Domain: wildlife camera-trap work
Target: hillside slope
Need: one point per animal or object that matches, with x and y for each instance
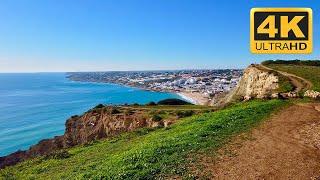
(107, 121)
(148, 153)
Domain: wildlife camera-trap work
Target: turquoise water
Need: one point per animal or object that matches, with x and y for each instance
(36, 106)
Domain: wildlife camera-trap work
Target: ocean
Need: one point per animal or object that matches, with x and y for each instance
(35, 106)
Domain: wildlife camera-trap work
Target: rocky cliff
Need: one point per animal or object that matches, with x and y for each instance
(100, 122)
(256, 82)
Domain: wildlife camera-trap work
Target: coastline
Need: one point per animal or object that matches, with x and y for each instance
(187, 98)
(194, 97)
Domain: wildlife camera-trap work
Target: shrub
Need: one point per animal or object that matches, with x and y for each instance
(186, 113)
(173, 102)
(115, 111)
(99, 106)
(156, 117)
(151, 103)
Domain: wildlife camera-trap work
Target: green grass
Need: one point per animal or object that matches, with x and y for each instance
(284, 84)
(149, 153)
(310, 73)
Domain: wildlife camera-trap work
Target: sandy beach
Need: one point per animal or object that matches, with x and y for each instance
(194, 97)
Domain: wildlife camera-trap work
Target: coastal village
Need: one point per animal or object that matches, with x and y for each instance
(198, 86)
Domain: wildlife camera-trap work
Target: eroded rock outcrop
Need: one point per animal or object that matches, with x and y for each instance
(257, 83)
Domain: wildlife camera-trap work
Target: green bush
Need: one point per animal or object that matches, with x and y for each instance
(114, 111)
(173, 102)
(99, 106)
(186, 113)
(151, 103)
(74, 116)
(156, 117)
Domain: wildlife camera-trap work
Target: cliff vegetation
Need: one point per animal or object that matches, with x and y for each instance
(309, 70)
(147, 153)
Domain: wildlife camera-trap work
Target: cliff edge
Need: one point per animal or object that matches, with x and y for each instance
(256, 82)
(104, 122)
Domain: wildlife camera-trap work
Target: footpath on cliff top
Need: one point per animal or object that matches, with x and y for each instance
(298, 82)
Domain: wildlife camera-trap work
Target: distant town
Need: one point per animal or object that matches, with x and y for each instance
(206, 83)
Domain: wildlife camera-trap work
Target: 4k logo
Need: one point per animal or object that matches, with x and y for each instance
(281, 30)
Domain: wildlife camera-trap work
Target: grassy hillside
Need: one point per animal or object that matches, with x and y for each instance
(308, 72)
(148, 153)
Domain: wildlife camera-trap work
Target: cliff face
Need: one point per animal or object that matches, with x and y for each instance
(96, 124)
(257, 83)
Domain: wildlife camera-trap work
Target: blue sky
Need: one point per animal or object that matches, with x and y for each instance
(102, 35)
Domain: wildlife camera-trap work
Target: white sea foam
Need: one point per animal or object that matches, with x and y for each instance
(189, 99)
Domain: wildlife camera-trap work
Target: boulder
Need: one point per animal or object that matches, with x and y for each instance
(312, 94)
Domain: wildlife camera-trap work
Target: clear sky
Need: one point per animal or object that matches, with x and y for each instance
(103, 35)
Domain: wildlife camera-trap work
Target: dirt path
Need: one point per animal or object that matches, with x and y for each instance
(298, 82)
(285, 147)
